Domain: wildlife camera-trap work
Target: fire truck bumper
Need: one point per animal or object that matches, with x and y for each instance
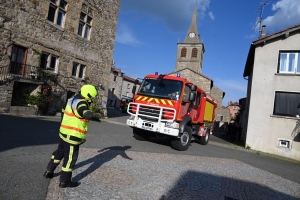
(153, 126)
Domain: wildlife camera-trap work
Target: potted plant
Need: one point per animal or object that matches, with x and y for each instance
(39, 100)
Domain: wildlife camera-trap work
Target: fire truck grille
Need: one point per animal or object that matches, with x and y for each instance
(152, 113)
(149, 111)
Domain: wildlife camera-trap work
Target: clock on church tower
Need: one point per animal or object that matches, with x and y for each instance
(192, 34)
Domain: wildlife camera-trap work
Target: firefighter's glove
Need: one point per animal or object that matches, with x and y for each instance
(96, 117)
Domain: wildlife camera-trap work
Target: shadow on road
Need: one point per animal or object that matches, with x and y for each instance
(16, 131)
(197, 185)
(105, 155)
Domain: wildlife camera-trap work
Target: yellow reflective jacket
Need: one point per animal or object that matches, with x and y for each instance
(73, 127)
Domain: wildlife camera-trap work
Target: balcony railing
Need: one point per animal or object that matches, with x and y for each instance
(20, 71)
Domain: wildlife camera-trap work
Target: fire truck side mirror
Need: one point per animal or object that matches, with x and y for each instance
(193, 88)
(133, 89)
(136, 81)
(192, 96)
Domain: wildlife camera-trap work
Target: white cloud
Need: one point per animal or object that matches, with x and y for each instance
(175, 13)
(287, 13)
(126, 36)
(211, 15)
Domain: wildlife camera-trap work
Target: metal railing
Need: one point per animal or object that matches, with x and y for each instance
(20, 71)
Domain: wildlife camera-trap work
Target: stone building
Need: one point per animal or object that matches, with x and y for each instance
(234, 108)
(189, 60)
(55, 46)
(115, 87)
(127, 87)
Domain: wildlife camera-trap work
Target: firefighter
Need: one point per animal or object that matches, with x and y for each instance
(72, 134)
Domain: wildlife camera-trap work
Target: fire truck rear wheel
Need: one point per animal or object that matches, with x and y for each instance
(183, 143)
(141, 135)
(204, 139)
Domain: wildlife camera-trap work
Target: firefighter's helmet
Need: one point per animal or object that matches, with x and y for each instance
(88, 91)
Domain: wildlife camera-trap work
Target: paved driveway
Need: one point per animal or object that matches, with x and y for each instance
(113, 165)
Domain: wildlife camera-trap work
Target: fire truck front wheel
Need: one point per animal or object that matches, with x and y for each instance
(141, 135)
(183, 142)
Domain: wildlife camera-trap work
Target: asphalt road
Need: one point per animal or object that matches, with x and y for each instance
(27, 143)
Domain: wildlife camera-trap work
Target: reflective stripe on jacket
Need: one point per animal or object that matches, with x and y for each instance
(73, 127)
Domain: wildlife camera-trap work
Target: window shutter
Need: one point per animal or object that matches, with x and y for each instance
(194, 53)
(183, 52)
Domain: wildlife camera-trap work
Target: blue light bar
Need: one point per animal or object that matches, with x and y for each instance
(156, 73)
(178, 75)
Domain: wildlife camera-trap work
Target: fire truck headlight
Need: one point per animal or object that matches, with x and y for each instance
(172, 125)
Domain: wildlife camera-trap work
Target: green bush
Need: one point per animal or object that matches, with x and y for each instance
(95, 107)
(39, 99)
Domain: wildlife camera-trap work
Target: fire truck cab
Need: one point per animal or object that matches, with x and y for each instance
(174, 107)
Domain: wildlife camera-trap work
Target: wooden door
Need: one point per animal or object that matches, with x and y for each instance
(18, 60)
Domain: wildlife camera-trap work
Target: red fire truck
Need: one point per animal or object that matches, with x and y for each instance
(174, 107)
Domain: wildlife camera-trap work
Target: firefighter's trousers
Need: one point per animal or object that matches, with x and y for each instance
(69, 154)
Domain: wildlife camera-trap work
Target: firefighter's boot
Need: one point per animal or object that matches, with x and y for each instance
(48, 174)
(68, 184)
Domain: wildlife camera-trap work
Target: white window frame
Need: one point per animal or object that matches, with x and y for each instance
(78, 69)
(56, 4)
(49, 62)
(88, 12)
(289, 66)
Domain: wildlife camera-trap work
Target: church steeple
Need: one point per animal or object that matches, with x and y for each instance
(192, 35)
(190, 52)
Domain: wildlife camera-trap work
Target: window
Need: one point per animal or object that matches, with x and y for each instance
(186, 94)
(113, 91)
(18, 60)
(289, 62)
(49, 61)
(183, 52)
(85, 22)
(169, 88)
(221, 118)
(127, 94)
(128, 86)
(194, 52)
(78, 70)
(115, 78)
(57, 12)
(286, 103)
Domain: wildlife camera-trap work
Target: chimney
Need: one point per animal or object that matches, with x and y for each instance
(263, 31)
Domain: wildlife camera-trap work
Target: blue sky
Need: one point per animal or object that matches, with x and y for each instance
(148, 32)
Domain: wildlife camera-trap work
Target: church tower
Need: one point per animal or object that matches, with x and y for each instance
(190, 52)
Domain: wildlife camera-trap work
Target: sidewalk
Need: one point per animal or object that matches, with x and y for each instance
(120, 174)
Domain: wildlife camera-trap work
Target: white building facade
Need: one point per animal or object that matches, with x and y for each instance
(273, 95)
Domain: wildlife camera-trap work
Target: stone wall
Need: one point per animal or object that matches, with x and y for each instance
(6, 91)
(25, 23)
(193, 63)
(116, 81)
(198, 79)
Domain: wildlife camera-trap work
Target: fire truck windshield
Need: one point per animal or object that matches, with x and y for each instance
(164, 88)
